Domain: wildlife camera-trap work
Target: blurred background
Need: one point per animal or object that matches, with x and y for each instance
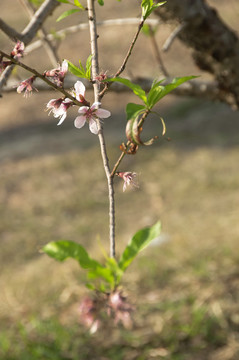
(185, 287)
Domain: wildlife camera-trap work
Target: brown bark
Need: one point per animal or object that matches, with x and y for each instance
(215, 47)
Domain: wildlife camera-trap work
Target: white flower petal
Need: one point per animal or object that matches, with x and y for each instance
(80, 121)
(102, 113)
(95, 105)
(83, 109)
(62, 118)
(50, 103)
(79, 88)
(93, 126)
(64, 66)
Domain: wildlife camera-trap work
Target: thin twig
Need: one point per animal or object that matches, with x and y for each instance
(95, 72)
(50, 49)
(122, 67)
(157, 52)
(173, 36)
(122, 155)
(42, 77)
(30, 31)
(79, 27)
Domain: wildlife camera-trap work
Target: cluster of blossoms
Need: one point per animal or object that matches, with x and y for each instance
(87, 113)
(58, 107)
(114, 305)
(17, 52)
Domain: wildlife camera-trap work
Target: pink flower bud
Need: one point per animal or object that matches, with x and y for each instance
(18, 49)
(129, 179)
(26, 86)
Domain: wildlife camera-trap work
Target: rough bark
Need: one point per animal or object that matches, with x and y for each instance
(215, 47)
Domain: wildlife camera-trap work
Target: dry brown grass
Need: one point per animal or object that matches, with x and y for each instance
(52, 186)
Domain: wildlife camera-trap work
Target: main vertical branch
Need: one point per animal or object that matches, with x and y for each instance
(95, 72)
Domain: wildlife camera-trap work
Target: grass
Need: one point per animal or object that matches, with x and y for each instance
(185, 291)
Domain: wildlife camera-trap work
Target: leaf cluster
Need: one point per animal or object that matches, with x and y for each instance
(109, 274)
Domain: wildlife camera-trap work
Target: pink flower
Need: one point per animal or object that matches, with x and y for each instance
(129, 179)
(26, 86)
(18, 49)
(4, 64)
(120, 309)
(79, 93)
(58, 74)
(90, 114)
(59, 108)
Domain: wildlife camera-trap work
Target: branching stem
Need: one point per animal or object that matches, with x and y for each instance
(42, 77)
(122, 67)
(95, 72)
(122, 155)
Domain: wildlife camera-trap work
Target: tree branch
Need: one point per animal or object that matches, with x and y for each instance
(215, 46)
(30, 31)
(50, 49)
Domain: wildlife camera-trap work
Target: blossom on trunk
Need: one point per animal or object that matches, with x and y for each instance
(59, 108)
(129, 179)
(26, 86)
(18, 49)
(58, 74)
(90, 115)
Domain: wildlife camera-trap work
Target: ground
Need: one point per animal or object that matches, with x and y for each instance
(184, 288)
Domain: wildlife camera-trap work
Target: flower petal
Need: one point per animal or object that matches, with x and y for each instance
(79, 88)
(102, 113)
(62, 118)
(83, 109)
(95, 105)
(64, 66)
(93, 126)
(80, 121)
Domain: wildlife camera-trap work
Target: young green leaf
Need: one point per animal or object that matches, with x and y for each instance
(101, 2)
(138, 242)
(64, 1)
(136, 88)
(157, 91)
(65, 249)
(67, 13)
(88, 67)
(78, 4)
(148, 6)
(132, 110)
(78, 71)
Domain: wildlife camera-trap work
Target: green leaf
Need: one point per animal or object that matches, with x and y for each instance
(65, 249)
(132, 110)
(115, 269)
(157, 91)
(101, 2)
(148, 6)
(78, 4)
(138, 242)
(67, 13)
(80, 72)
(136, 88)
(64, 1)
(88, 67)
